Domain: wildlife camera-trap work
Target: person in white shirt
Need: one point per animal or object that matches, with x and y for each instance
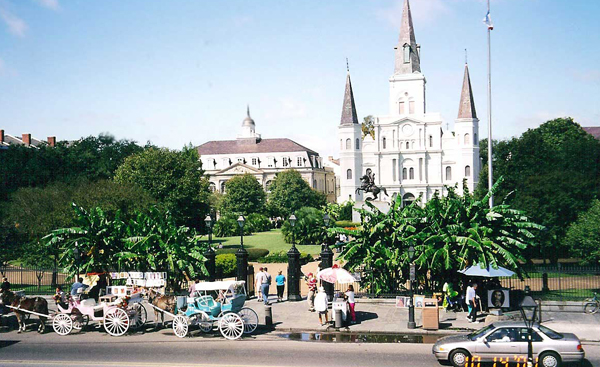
(321, 305)
(351, 303)
(258, 283)
(471, 298)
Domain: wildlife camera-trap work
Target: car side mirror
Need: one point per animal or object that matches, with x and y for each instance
(483, 340)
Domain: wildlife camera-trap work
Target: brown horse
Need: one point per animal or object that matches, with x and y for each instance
(163, 302)
(36, 304)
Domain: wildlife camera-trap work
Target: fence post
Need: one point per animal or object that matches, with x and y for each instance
(545, 287)
(559, 278)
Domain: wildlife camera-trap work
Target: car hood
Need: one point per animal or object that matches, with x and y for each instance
(452, 339)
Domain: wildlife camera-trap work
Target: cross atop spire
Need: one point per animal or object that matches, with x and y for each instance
(407, 58)
(349, 115)
(466, 110)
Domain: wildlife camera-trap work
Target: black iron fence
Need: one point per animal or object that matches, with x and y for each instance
(35, 280)
(558, 282)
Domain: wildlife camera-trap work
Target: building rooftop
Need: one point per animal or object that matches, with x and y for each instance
(242, 147)
(593, 131)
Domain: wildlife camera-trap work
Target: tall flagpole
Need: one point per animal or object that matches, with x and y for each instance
(490, 168)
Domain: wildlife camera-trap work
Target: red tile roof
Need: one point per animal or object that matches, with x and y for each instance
(262, 146)
(593, 131)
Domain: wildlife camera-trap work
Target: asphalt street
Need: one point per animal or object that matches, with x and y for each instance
(162, 348)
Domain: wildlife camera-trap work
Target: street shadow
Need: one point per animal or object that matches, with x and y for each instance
(7, 343)
(445, 325)
(365, 316)
(586, 363)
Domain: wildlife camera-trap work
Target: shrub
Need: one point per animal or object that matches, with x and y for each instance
(281, 257)
(227, 226)
(346, 224)
(309, 228)
(226, 265)
(253, 253)
(258, 223)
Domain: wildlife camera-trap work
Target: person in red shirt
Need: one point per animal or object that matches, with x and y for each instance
(311, 282)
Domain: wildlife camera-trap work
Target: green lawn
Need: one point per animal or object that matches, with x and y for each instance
(272, 241)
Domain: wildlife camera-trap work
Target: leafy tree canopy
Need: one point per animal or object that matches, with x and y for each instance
(551, 172)
(174, 178)
(447, 233)
(243, 195)
(368, 127)
(289, 192)
(583, 236)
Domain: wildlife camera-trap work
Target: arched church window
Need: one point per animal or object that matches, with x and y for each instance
(268, 186)
(406, 54)
(467, 171)
(357, 144)
(448, 173)
(404, 174)
(223, 186)
(411, 173)
(315, 184)
(407, 145)
(475, 142)
(349, 174)
(212, 187)
(411, 107)
(467, 139)
(348, 144)
(408, 199)
(430, 141)
(341, 144)
(401, 108)
(383, 142)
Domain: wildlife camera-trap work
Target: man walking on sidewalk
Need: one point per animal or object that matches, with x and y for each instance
(264, 288)
(471, 298)
(311, 282)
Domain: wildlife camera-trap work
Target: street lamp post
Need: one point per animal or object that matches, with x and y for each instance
(411, 306)
(528, 311)
(242, 254)
(210, 254)
(293, 267)
(327, 260)
(77, 257)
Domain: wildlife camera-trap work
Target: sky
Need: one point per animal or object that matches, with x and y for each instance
(182, 71)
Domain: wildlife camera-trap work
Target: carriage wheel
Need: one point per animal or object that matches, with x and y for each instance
(80, 322)
(138, 316)
(250, 319)
(180, 326)
(203, 321)
(231, 326)
(116, 322)
(62, 324)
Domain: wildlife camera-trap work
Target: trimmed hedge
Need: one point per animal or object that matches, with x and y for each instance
(253, 253)
(226, 265)
(346, 224)
(227, 226)
(281, 257)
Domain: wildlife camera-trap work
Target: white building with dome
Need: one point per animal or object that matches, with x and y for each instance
(412, 154)
(264, 159)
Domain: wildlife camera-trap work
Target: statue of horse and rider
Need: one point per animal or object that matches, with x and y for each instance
(368, 185)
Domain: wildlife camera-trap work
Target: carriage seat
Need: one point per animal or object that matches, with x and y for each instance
(209, 305)
(90, 302)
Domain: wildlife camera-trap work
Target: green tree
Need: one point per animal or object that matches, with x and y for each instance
(368, 127)
(243, 195)
(583, 236)
(289, 192)
(174, 178)
(551, 172)
(308, 230)
(448, 234)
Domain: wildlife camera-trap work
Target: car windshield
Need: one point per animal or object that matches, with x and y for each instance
(481, 332)
(550, 333)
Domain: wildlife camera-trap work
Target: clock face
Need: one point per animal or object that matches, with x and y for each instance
(407, 130)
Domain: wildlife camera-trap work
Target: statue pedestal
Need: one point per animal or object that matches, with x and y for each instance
(384, 206)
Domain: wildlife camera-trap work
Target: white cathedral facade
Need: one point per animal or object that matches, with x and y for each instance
(411, 154)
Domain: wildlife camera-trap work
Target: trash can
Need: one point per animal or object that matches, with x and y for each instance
(339, 305)
(430, 314)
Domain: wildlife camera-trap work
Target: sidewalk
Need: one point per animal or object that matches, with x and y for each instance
(374, 317)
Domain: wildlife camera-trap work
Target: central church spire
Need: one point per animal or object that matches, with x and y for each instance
(407, 58)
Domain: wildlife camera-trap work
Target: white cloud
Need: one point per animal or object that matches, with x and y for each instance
(16, 25)
(423, 11)
(50, 4)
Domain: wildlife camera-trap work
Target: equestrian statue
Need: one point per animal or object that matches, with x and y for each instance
(368, 185)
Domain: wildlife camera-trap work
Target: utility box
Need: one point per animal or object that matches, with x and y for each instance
(430, 314)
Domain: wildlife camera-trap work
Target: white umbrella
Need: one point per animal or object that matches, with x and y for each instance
(335, 274)
(487, 272)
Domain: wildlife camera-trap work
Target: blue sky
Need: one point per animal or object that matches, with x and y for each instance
(175, 72)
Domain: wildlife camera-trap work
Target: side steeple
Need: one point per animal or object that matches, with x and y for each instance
(466, 110)
(349, 115)
(407, 52)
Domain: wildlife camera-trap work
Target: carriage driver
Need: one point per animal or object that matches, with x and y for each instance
(77, 285)
(5, 285)
(61, 298)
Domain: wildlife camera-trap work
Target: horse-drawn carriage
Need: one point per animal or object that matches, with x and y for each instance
(217, 305)
(117, 316)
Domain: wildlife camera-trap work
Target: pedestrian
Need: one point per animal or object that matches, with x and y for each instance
(258, 280)
(280, 281)
(78, 285)
(321, 306)
(265, 286)
(5, 285)
(192, 288)
(351, 303)
(311, 282)
(471, 297)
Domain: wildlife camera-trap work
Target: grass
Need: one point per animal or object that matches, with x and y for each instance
(272, 241)
(566, 295)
